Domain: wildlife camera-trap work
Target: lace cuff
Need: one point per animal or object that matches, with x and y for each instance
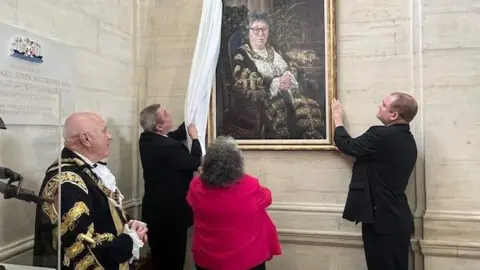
(293, 80)
(274, 87)
(137, 243)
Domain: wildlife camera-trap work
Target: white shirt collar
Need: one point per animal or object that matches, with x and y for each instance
(107, 178)
(84, 158)
(102, 172)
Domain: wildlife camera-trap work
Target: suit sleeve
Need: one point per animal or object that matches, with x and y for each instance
(81, 243)
(365, 144)
(180, 134)
(180, 159)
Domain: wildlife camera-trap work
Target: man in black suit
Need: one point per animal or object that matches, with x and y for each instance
(385, 158)
(168, 168)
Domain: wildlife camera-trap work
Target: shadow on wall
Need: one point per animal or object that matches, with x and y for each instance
(28, 150)
(10, 157)
(12, 210)
(120, 161)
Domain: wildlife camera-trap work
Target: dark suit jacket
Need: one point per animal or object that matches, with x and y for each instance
(168, 168)
(385, 158)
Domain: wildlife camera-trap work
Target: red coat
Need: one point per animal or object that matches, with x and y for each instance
(232, 230)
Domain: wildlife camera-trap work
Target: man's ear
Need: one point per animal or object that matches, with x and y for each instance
(394, 116)
(159, 127)
(85, 139)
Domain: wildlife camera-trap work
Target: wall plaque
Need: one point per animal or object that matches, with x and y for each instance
(36, 78)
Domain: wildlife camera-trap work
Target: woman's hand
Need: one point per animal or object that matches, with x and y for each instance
(198, 172)
(285, 82)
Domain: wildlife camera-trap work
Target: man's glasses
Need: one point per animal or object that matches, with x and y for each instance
(257, 31)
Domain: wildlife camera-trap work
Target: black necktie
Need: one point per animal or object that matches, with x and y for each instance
(96, 164)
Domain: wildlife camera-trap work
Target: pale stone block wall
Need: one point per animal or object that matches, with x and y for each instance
(451, 90)
(130, 54)
(425, 48)
(101, 34)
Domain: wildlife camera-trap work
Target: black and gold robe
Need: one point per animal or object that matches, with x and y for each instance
(91, 225)
(288, 114)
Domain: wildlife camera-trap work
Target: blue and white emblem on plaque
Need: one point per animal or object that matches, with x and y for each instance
(26, 49)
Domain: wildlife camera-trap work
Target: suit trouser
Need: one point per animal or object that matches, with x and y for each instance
(385, 251)
(168, 245)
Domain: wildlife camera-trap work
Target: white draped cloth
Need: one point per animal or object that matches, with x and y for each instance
(202, 72)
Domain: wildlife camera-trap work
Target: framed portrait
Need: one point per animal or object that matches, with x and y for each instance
(276, 75)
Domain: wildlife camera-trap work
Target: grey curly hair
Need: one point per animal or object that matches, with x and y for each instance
(258, 16)
(254, 17)
(223, 163)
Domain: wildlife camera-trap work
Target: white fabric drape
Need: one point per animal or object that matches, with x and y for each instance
(203, 68)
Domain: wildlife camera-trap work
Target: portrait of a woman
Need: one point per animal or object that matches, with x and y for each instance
(276, 74)
(262, 74)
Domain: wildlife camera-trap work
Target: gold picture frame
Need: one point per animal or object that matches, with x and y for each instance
(330, 94)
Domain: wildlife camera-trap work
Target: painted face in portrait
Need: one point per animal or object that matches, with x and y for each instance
(258, 34)
(384, 113)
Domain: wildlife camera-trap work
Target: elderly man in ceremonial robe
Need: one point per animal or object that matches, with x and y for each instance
(95, 232)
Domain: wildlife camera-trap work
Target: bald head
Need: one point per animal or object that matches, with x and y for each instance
(78, 123)
(86, 133)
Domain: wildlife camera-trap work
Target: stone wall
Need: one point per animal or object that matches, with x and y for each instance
(450, 58)
(130, 54)
(426, 48)
(101, 34)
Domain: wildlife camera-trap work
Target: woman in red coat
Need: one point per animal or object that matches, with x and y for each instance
(232, 230)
